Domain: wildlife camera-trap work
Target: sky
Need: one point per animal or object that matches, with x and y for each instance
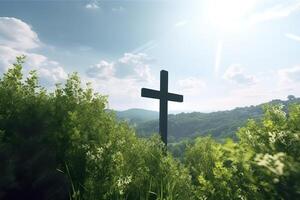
(220, 54)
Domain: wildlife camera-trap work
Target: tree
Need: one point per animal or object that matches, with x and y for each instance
(65, 143)
(291, 97)
(275, 141)
(221, 171)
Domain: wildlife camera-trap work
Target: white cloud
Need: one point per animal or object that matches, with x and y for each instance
(49, 71)
(131, 58)
(17, 34)
(18, 42)
(289, 75)
(7, 57)
(103, 70)
(293, 37)
(130, 66)
(289, 80)
(135, 66)
(94, 4)
(276, 12)
(235, 73)
(192, 85)
(123, 93)
(91, 6)
(51, 74)
(122, 79)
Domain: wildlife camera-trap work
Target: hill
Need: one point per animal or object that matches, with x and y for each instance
(219, 125)
(137, 116)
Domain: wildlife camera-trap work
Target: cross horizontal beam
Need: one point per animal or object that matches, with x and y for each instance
(175, 97)
(150, 93)
(157, 95)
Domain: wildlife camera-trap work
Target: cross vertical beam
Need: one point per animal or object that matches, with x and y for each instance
(164, 96)
(163, 106)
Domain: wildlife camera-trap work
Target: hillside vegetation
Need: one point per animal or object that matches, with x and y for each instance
(137, 116)
(65, 145)
(219, 125)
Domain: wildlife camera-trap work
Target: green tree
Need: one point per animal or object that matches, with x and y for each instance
(61, 143)
(276, 141)
(220, 171)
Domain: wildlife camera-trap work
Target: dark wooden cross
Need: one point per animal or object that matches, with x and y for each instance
(164, 96)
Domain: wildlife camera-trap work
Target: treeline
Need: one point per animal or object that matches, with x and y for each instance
(64, 145)
(219, 125)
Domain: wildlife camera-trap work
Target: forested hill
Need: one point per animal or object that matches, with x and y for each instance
(135, 116)
(219, 124)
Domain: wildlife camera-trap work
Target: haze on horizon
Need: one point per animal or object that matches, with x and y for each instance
(220, 54)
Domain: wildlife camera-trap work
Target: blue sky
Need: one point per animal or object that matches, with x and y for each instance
(220, 54)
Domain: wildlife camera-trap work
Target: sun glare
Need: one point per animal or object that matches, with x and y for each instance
(229, 15)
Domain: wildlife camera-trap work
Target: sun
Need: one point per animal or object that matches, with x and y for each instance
(229, 15)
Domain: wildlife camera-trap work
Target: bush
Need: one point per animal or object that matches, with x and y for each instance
(65, 143)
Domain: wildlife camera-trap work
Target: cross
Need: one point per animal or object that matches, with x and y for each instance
(164, 96)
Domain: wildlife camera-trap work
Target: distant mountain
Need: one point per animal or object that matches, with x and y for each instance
(219, 124)
(136, 116)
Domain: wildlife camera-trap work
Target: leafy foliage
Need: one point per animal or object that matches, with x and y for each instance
(61, 143)
(65, 145)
